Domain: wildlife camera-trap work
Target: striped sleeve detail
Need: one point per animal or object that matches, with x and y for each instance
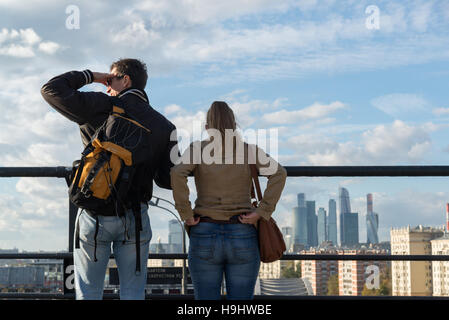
(88, 76)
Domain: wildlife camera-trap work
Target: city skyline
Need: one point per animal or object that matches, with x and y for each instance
(349, 235)
(392, 207)
(300, 198)
(312, 227)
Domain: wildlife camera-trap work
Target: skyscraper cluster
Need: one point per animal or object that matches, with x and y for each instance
(312, 227)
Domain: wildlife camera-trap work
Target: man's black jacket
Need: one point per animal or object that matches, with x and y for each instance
(91, 109)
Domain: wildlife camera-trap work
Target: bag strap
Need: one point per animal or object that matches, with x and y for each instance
(119, 110)
(255, 182)
(255, 176)
(116, 101)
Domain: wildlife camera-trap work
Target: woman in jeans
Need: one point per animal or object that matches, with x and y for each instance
(223, 235)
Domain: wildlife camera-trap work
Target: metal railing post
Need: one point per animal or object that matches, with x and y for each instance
(184, 250)
(73, 211)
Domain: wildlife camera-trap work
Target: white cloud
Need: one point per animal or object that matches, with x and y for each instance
(136, 34)
(184, 12)
(397, 143)
(314, 111)
(248, 113)
(214, 38)
(17, 51)
(36, 217)
(189, 126)
(21, 44)
(421, 15)
(432, 127)
(29, 36)
(401, 104)
(172, 109)
(182, 34)
(410, 207)
(310, 143)
(49, 47)
(440, 111)
(186, 122)
(393, 18)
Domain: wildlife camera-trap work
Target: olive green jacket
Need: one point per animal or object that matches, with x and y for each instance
(224, 190)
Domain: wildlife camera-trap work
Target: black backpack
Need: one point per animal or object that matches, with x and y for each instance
(102, 179)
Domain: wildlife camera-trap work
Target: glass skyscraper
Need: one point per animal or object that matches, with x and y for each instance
(332, 222)
(372, 221)
(322, 226)
(300, 221)
(349, 222)
(301, 200)
(312, 222)
(351, 228)
(287, 232)
(174, 236)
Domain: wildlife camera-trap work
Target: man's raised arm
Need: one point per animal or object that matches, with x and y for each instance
(62, 93)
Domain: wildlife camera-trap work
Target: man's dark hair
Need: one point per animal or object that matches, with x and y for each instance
(135, 69)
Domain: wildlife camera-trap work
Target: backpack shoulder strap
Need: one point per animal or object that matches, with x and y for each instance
(117, 105)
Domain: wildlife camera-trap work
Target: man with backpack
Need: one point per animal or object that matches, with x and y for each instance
(126, 122)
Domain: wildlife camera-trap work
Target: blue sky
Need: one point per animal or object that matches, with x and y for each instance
(338, 93)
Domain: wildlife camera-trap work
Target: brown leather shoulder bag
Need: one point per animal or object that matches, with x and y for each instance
(271, 241)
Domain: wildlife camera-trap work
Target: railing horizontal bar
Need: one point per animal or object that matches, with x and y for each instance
(35, 296)
(56, 172)
(368, 257)
(67, 255)
(51, 256)
(109, 296)
(367, 171)
(357, 257)
(71, 296)
(292, 171)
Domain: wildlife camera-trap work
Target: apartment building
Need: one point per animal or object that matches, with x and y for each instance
(353, 275)
(413, 278)
(273, 270)
(440, 269)
(317, 272)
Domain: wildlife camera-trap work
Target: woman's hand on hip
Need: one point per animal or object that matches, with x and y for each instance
(249, 218)
(193, 221)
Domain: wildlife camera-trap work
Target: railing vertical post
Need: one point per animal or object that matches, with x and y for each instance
(184, 273)
(73, 210)
(68, 262)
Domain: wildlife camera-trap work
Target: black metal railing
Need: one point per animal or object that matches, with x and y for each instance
(292, 171)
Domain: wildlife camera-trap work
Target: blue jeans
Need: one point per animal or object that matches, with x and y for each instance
(231, 249)
(90, 275)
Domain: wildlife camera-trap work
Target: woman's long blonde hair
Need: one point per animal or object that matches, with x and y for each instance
(220, 117)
